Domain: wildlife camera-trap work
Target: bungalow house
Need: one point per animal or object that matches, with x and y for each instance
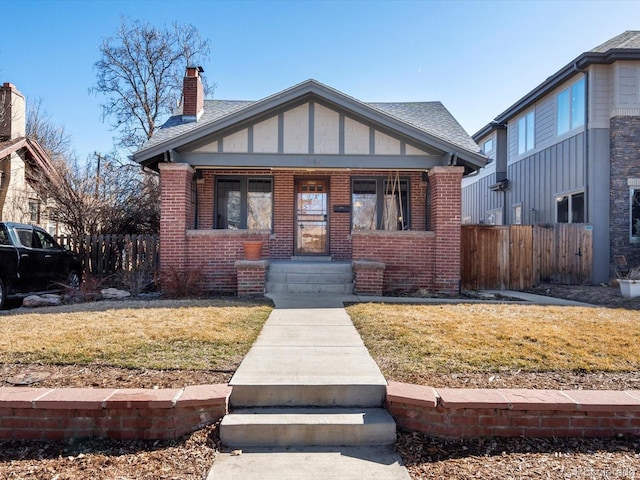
(314, 175)
(19, 157)
(568, 152)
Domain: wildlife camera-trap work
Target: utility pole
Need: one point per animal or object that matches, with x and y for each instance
(99, 157)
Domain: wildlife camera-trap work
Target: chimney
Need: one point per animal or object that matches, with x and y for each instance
(12, 113)
(192, 94)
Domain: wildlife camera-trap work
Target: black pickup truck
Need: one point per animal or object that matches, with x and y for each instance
(32, 262)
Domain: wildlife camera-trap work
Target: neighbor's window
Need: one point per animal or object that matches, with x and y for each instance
(526, 132)
(517, 214)
(570, 208)
(380, 204)
(34, 211)
(244, 203)
(571, 108)
(487, 147)
(634, 198)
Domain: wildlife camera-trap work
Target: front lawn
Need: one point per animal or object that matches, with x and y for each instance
(413, 341)
(164, 334)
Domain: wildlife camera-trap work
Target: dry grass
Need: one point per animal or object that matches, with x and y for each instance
(187, 334)
(408, 341)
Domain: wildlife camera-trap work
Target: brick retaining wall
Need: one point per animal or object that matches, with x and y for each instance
(148, 414)
(473, 413)
(125, 414)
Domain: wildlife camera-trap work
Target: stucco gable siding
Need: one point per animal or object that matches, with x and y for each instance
(265, 136)
(296, 130)
(411, 150)
(326, 130)
(356, 137)
(208, 148)
(237, 142)
(386, 145)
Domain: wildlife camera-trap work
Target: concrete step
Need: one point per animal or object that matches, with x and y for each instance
(329, 395)
(310, 463)
(318, 288)
(277, 427)
(283, 266)
(322, 278)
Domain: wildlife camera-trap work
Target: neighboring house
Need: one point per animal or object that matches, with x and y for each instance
(569, 151)
(19, 158)
(313, 173)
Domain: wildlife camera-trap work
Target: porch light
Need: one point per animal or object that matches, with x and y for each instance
(560, 198)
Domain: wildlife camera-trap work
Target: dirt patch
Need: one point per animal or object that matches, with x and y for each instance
(599, 295)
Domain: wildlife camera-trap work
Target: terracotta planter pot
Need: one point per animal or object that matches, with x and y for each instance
(252, 250)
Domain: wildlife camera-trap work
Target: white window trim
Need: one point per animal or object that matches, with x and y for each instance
(513, 211)
(634, 184)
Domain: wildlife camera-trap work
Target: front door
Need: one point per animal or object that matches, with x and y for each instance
(311, 217)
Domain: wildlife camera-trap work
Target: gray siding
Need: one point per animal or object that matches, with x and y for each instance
(545, 121)
(478, 199)
(536, 180)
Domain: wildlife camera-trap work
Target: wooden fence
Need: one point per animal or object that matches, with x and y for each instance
(105, 255)
(518, 257)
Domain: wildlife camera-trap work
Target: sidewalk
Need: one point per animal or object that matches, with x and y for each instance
(309, 353)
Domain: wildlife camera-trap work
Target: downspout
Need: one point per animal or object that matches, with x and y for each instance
(585, 141)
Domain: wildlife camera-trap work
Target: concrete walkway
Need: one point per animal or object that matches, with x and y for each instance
(310, 354)
(306, 401)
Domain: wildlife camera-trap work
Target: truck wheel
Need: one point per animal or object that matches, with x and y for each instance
(73, 280)
(3, 295)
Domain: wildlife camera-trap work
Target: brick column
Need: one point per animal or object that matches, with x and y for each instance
(445, 221)
(252, 277)
(176, 215)
(369, 277)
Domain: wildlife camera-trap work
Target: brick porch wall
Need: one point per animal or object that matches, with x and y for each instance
(413, 259)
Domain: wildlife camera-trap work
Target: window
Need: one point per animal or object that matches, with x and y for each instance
(571, 108)
(494, 217)
(4, 236)
(570, 208)
(635, 212)
(34, 211)
(244, 203)
(526, 133)
(517, 214)
(380, 204)
(45, 240)
(487, 147)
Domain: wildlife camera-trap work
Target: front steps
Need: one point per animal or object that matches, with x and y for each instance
(280, 427)
(308, 381)
(309, 275)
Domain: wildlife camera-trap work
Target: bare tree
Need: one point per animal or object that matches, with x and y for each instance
(140, 74)
(39, 125)
(121, 199)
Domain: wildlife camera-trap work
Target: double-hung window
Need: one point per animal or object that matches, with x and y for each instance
(380, 204)
(634, 210)
(570, 208)
(244, 203)
(526, 132)
(570, 108)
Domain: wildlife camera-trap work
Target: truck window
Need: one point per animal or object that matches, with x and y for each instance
(25, 236)
(45, 240)
(4, 236)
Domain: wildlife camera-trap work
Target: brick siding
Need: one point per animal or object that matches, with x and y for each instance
(413, 259)
(625, 163)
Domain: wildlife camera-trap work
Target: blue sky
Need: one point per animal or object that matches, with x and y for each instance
(477, 57)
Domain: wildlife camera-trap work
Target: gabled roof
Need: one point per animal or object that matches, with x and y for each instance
(30, 148)
(428, 122)
(625, 46)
